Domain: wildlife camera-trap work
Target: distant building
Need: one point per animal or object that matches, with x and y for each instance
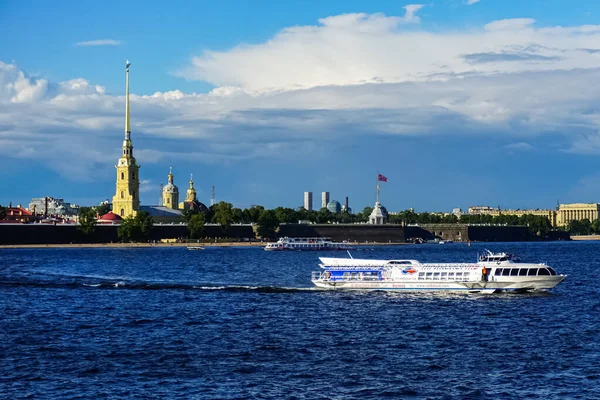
(494, 212)
(458, 212)
(379, 215)
(576, 211)
(308, 201)
(52, 206)
(324, 199)
(334, 206)
(18, 214)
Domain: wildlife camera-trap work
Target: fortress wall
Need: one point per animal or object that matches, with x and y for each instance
(349, 232)
(64, 233)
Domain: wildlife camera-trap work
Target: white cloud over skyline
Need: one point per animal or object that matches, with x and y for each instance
(353, 75)
(99, 42)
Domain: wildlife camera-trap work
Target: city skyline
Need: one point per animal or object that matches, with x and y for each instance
(493, 107)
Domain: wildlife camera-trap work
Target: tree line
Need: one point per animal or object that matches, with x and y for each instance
(138, 228)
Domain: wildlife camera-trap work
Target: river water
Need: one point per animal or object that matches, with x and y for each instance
(242, 323)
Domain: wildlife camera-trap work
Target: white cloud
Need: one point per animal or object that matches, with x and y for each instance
(353, 75)
(411, 11)
(469, 2)
(354, 49)
(100, 42)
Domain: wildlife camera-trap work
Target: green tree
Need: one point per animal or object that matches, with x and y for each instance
(596, 226)
(223, 213)
(136, 229)
(237, 215)
(102, 209)
(250, 215)
(267, 224)
(286, 215)
(580, 227)
(87, 220)
(196, 225)
(188, 214)
(324, 216)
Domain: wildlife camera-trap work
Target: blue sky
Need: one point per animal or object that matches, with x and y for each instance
(458, 104)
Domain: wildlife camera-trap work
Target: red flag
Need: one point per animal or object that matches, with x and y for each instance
(381, 178)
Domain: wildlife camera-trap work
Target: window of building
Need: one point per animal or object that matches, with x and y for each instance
(133, 176)
(122, 175)
(122, 194)
(168, 201)
(122, 212)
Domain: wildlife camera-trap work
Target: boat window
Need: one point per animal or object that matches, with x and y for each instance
(429, 276)
(543, 271)
(514, 272)
(523, 271)
(532, 272)
(450, 275)
(498, 271)
(552, 272)
(506, 272)
(444, 276)
(436, 275)
(354, 276)
(459, 275)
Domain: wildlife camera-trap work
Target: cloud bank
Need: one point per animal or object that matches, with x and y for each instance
(349, 76)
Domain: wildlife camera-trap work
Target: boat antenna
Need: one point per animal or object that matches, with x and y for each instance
(350, 254)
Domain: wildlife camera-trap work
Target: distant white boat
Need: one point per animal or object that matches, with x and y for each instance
(195, 248)
(306, 244)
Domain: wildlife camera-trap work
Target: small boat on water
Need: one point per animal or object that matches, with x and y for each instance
(493, 272)
(306, 244)
(195, 248)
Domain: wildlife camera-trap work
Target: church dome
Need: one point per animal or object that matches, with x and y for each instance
(110, 217)
(170, 187)
(334, 206)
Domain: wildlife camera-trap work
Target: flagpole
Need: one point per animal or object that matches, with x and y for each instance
(377, 189)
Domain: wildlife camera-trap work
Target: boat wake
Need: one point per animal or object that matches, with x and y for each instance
(137, 285)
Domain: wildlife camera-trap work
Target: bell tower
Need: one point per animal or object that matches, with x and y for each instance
(126, 200)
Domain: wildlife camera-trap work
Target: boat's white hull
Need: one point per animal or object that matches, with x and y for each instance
(463, 286)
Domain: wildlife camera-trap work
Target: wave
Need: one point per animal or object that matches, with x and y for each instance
(122, 285)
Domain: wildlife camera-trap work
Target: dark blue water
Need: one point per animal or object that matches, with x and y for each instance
(242, 323)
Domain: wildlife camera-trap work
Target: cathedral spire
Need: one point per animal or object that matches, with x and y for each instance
(127, 127)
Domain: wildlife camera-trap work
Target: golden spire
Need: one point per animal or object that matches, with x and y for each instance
(127, 127)
(170, 174)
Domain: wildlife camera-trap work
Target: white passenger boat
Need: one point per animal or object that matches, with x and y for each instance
(306, 244)
(503, 272)
(195, 248)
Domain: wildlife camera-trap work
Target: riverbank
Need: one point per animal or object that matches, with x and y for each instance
(586, 237)
(142, 245)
